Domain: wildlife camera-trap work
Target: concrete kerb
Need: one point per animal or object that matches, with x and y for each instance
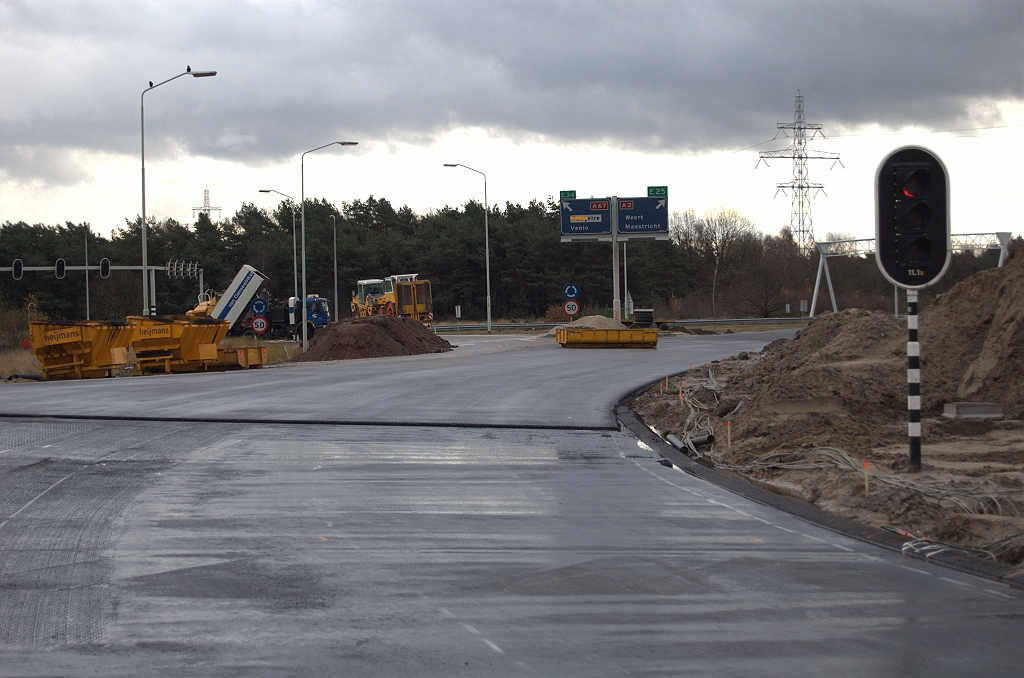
(954, 560)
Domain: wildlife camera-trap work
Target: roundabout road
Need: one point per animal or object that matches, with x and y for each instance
(276, 549)
(499, 380)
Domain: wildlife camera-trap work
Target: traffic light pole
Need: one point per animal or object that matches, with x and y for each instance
(913, 384)
(913, 245)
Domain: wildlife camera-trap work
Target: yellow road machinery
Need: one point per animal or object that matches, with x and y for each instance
(190, 344)
(571, 337)
(80, 349)
(404, 296)
(164, 344)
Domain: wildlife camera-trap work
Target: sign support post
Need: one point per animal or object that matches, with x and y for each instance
(616, 313)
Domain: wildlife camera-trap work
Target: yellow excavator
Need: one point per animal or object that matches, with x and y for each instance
(403, 296)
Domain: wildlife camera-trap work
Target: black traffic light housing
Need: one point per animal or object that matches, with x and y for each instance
(59, 269)
(17, 269)
(104, 267)
(912, 235)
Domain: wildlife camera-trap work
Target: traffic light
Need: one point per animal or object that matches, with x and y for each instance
(17, 269)
(59, 269)
(912, 237)
(104, 267)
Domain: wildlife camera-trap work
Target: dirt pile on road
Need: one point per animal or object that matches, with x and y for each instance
(806, 413)
(374, 337)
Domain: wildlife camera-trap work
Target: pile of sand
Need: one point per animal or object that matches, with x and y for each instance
(592, 322)
(972, 342)
(374, 337)
(842, 383)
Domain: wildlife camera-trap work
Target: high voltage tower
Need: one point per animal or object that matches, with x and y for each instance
(205, 209)
(801, 185)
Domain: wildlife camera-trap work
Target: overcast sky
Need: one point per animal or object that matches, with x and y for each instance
(598, 97)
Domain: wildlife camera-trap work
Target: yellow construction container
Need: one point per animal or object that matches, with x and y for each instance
(169, 345)
(84, 349)
(571, 337)
(245, 358)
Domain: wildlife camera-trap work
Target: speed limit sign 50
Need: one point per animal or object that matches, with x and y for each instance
(572, 307)
(259, 324)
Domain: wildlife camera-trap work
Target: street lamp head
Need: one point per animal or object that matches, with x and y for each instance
(451, 164)
(347, 143)
(203, 74)
(264, 190)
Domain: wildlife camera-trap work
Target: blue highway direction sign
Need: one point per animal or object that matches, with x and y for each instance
(643, 217)
(586, 217)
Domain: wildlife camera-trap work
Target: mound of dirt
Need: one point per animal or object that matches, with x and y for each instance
(841, 384)
(374, 337)
(972, 342)
(592, 322)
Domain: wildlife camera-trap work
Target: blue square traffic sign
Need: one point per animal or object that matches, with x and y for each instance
(643, 216)
(586, 217)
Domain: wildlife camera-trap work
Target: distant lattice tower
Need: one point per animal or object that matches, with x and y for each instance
(205, 209)
(801, 185)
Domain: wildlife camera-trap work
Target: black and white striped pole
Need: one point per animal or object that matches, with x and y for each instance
(912, 249)
(913, 384)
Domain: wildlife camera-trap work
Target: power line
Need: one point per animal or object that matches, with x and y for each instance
(889, 134)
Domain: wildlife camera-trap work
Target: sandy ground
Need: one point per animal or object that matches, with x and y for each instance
(803, 416)
(17, 362)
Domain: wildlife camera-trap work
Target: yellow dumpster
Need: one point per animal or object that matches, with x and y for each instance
(245, 358)
(571, 337)
(170, 345)
(82, 349)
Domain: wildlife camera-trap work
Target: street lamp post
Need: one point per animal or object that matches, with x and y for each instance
(149, 291)
(487, 245)
(295, 258)
(334, 222)
(87, 313)
(302, 170)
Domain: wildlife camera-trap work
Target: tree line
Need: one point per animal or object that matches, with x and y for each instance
(717, 264)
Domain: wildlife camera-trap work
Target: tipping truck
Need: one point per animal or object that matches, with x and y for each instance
(86, 349)
(270, 320)
(190, 344)
(403, 296)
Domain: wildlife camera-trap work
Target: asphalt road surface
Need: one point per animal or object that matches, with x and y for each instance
(284, 549)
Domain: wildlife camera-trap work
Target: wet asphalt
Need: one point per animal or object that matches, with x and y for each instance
(288, 545)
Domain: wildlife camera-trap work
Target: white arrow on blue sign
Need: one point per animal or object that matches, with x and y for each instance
(258, 306)
(643, 216)
(570, 291)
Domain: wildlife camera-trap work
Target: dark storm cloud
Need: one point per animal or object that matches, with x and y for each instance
(686, 76)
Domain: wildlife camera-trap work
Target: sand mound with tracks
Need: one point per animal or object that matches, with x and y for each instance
(840, 388)
(374, 337)
(591, 322)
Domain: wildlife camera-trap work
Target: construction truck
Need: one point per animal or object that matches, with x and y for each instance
(404, 296)
(270, 320)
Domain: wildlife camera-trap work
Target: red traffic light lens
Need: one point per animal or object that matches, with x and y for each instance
(916, 184)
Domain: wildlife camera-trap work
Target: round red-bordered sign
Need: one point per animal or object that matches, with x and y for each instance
(571, 307)
(259, 324)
